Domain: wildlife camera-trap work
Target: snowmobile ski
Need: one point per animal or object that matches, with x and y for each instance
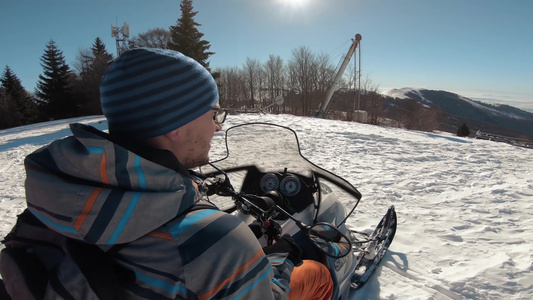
(379, 241)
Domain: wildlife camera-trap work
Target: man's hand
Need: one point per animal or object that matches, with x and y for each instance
(286, 245)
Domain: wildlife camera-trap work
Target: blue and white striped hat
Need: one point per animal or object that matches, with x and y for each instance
(150, 92)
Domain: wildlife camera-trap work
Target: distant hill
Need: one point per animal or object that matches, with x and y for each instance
(494, 119)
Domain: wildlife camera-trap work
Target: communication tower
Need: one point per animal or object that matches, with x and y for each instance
(121, 35)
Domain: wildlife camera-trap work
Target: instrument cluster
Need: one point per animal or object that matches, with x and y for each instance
(288, 185)
(296, 191)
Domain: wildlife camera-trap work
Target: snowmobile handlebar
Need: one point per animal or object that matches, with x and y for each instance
(264, 209)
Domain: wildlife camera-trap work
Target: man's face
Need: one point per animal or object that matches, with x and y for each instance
(196, 140)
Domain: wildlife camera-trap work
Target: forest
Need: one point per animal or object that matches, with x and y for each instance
(65, 91)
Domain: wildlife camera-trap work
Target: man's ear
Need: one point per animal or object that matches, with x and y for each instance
(174, 135)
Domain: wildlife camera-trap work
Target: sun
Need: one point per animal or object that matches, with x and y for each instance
(294, 3)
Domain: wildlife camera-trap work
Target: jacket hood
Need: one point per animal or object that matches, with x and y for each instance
(87, 187)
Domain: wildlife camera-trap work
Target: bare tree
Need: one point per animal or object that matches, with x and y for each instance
(416, 116)
(374, 102)
(349, 77)
(90, 66)
(82, 60)
(275, 78)
(302, 73)
(325, 74)
(252, 73)
(262, 90)
(230, 82)
(153, 38)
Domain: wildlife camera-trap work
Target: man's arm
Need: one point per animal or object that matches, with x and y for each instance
(209, 255)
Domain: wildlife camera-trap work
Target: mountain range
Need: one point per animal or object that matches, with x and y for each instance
(492, 119)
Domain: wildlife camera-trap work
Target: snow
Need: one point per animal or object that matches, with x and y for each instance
(493, 111)
(465, 215)
(402, 94)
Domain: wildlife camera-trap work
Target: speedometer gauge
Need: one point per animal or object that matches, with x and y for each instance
(269, 182)
(290, 185)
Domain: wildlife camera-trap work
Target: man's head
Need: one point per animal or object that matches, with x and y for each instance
(163, 97)
(150, 92)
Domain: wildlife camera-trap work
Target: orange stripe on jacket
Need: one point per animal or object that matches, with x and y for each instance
(87, 208)
(103, 166)
(239, 270)
(196, 186)
(94, 195)
(162, 235)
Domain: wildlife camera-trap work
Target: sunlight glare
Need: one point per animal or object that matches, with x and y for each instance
(294, 3)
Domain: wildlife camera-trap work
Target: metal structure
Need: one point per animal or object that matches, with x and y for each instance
(278, 101)
(121, 35)
(358, 115)
(338, 76)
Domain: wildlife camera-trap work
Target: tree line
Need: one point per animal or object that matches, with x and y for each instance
(302, 81)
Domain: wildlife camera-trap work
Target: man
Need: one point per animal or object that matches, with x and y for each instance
(130, 192)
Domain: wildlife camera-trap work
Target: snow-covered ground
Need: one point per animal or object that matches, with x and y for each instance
(401, 93)
(489, 105)
(465, 209)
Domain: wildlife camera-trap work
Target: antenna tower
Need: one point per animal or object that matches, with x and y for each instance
(121, 35)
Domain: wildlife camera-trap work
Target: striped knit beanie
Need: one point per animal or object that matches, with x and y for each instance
(150, 92)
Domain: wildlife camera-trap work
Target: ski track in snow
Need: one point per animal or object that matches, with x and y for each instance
(465, 214)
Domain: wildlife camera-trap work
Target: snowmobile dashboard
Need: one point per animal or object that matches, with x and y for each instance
(297, 191)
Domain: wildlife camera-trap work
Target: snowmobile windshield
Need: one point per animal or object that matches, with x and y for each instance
(261, 157)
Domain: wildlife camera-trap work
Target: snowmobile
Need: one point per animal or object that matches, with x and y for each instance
(271, 186)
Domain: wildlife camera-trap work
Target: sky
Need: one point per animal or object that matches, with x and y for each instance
(480, 49)
(465, 215)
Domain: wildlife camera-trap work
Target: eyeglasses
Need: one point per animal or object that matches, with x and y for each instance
(220, 115)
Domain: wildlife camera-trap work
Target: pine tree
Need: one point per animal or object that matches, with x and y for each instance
(185, 37)
(463, 130)
(53, 88)
(18, 107)
(94, 64)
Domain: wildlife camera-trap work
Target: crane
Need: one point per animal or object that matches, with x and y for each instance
(338, 76)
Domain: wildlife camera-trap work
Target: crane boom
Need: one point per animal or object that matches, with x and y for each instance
(338, 76)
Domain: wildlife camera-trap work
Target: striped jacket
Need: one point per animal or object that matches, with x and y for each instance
(90, 188)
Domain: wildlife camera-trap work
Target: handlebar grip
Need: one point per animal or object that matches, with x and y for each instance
(263, 202)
